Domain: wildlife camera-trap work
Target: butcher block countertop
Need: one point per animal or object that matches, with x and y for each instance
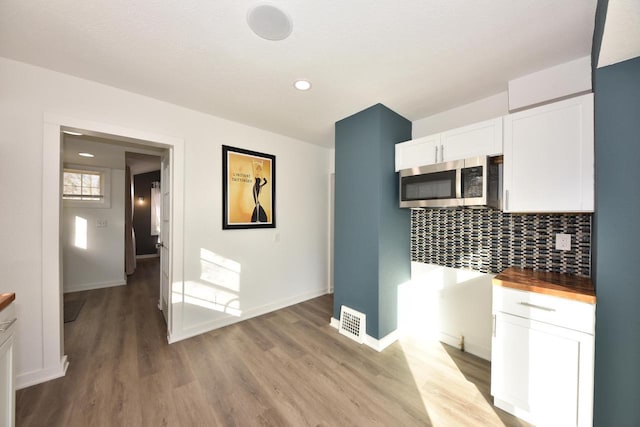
(6, 299)
(557, 284)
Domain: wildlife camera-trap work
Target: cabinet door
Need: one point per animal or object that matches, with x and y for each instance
(479, 139)
(7, 389)
(536, 368)
(549, 159)
(417, 152)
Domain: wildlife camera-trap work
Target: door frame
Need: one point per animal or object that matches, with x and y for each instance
(54, 360)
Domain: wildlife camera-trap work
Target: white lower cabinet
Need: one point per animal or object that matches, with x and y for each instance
(7, 376)
(542, 370)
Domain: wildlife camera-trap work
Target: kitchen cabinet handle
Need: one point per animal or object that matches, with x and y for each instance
(493, 329)
(442, 153)
(436, 154)
(539, 307)
(7, 324)
(506, 200)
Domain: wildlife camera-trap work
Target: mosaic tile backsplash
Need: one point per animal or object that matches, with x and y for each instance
(489, 241)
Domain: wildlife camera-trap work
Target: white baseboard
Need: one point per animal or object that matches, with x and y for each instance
(374, 343)
(89, 286)
(469, 346)
(382, 343)
(36, 377)
(145, 256)
(202, 328)
(520, 413)
(335, 323)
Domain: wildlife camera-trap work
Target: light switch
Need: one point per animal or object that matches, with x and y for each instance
(563, 242)
(101, 223)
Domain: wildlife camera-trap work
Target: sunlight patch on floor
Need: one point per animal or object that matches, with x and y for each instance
(441, 382)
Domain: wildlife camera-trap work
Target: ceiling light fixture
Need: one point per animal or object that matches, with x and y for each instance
(269, 22)
(302, 84)
(86, 155)
(68, 132)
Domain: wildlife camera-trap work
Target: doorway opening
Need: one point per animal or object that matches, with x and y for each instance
(54, 360)
(111, 215)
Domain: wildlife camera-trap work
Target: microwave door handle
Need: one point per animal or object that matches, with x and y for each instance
(458, 183)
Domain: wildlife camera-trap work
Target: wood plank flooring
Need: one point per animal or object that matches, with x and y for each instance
(286, 368)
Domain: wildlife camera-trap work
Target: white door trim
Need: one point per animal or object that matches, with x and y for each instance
(54, 362)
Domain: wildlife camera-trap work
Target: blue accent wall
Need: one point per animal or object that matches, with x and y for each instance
(598, 31)
(617, 244)
(371, 232)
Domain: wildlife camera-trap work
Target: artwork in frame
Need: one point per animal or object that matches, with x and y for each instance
(248, 189)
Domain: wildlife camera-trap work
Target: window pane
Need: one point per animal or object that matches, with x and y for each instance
(82, 185)
(73, 178)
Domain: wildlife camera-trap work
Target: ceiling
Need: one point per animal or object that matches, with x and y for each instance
(110, 153)
(418, 57)
(621, 36)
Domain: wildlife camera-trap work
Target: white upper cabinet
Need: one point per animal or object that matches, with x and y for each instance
(549, 158)
(417, 152)
(478, 139)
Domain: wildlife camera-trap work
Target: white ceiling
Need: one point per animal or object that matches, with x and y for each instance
(621, 37)
(110, 154)
(142, 163)
(418, 57)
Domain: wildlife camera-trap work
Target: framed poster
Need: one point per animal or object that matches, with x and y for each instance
(248, 189)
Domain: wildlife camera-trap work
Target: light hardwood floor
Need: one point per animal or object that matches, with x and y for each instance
(286, 368)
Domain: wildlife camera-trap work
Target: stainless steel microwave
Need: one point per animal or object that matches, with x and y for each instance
(475, 181)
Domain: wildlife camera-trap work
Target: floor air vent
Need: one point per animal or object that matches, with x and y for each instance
(352, 324)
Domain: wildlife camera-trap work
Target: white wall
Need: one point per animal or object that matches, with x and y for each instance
(278, 267)
(445, 304)
(484, 109)
(564, 79)
(101, 263)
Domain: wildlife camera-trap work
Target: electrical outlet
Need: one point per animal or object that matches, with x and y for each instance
(101, 223)
(563, 242)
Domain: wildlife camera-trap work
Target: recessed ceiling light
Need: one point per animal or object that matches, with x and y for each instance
(269, 22)
(302, 84)
(86, 155)
(68, 132)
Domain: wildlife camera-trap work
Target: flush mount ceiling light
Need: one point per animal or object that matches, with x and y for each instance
(86, 155)
(68, 132)
(269, 22)
(302, 84)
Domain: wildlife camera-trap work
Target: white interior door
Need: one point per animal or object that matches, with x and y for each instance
(165, 236)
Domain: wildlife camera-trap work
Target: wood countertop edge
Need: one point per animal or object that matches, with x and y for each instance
(6, 299)
(562, 285)
(576, 296)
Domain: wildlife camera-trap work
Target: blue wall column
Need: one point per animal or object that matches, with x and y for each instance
(371, 232)
(617, 253)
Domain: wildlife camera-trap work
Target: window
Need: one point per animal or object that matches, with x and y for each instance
(86, 186)
(82, 185)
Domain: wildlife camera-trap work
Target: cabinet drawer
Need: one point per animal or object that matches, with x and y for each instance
(554, 310)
